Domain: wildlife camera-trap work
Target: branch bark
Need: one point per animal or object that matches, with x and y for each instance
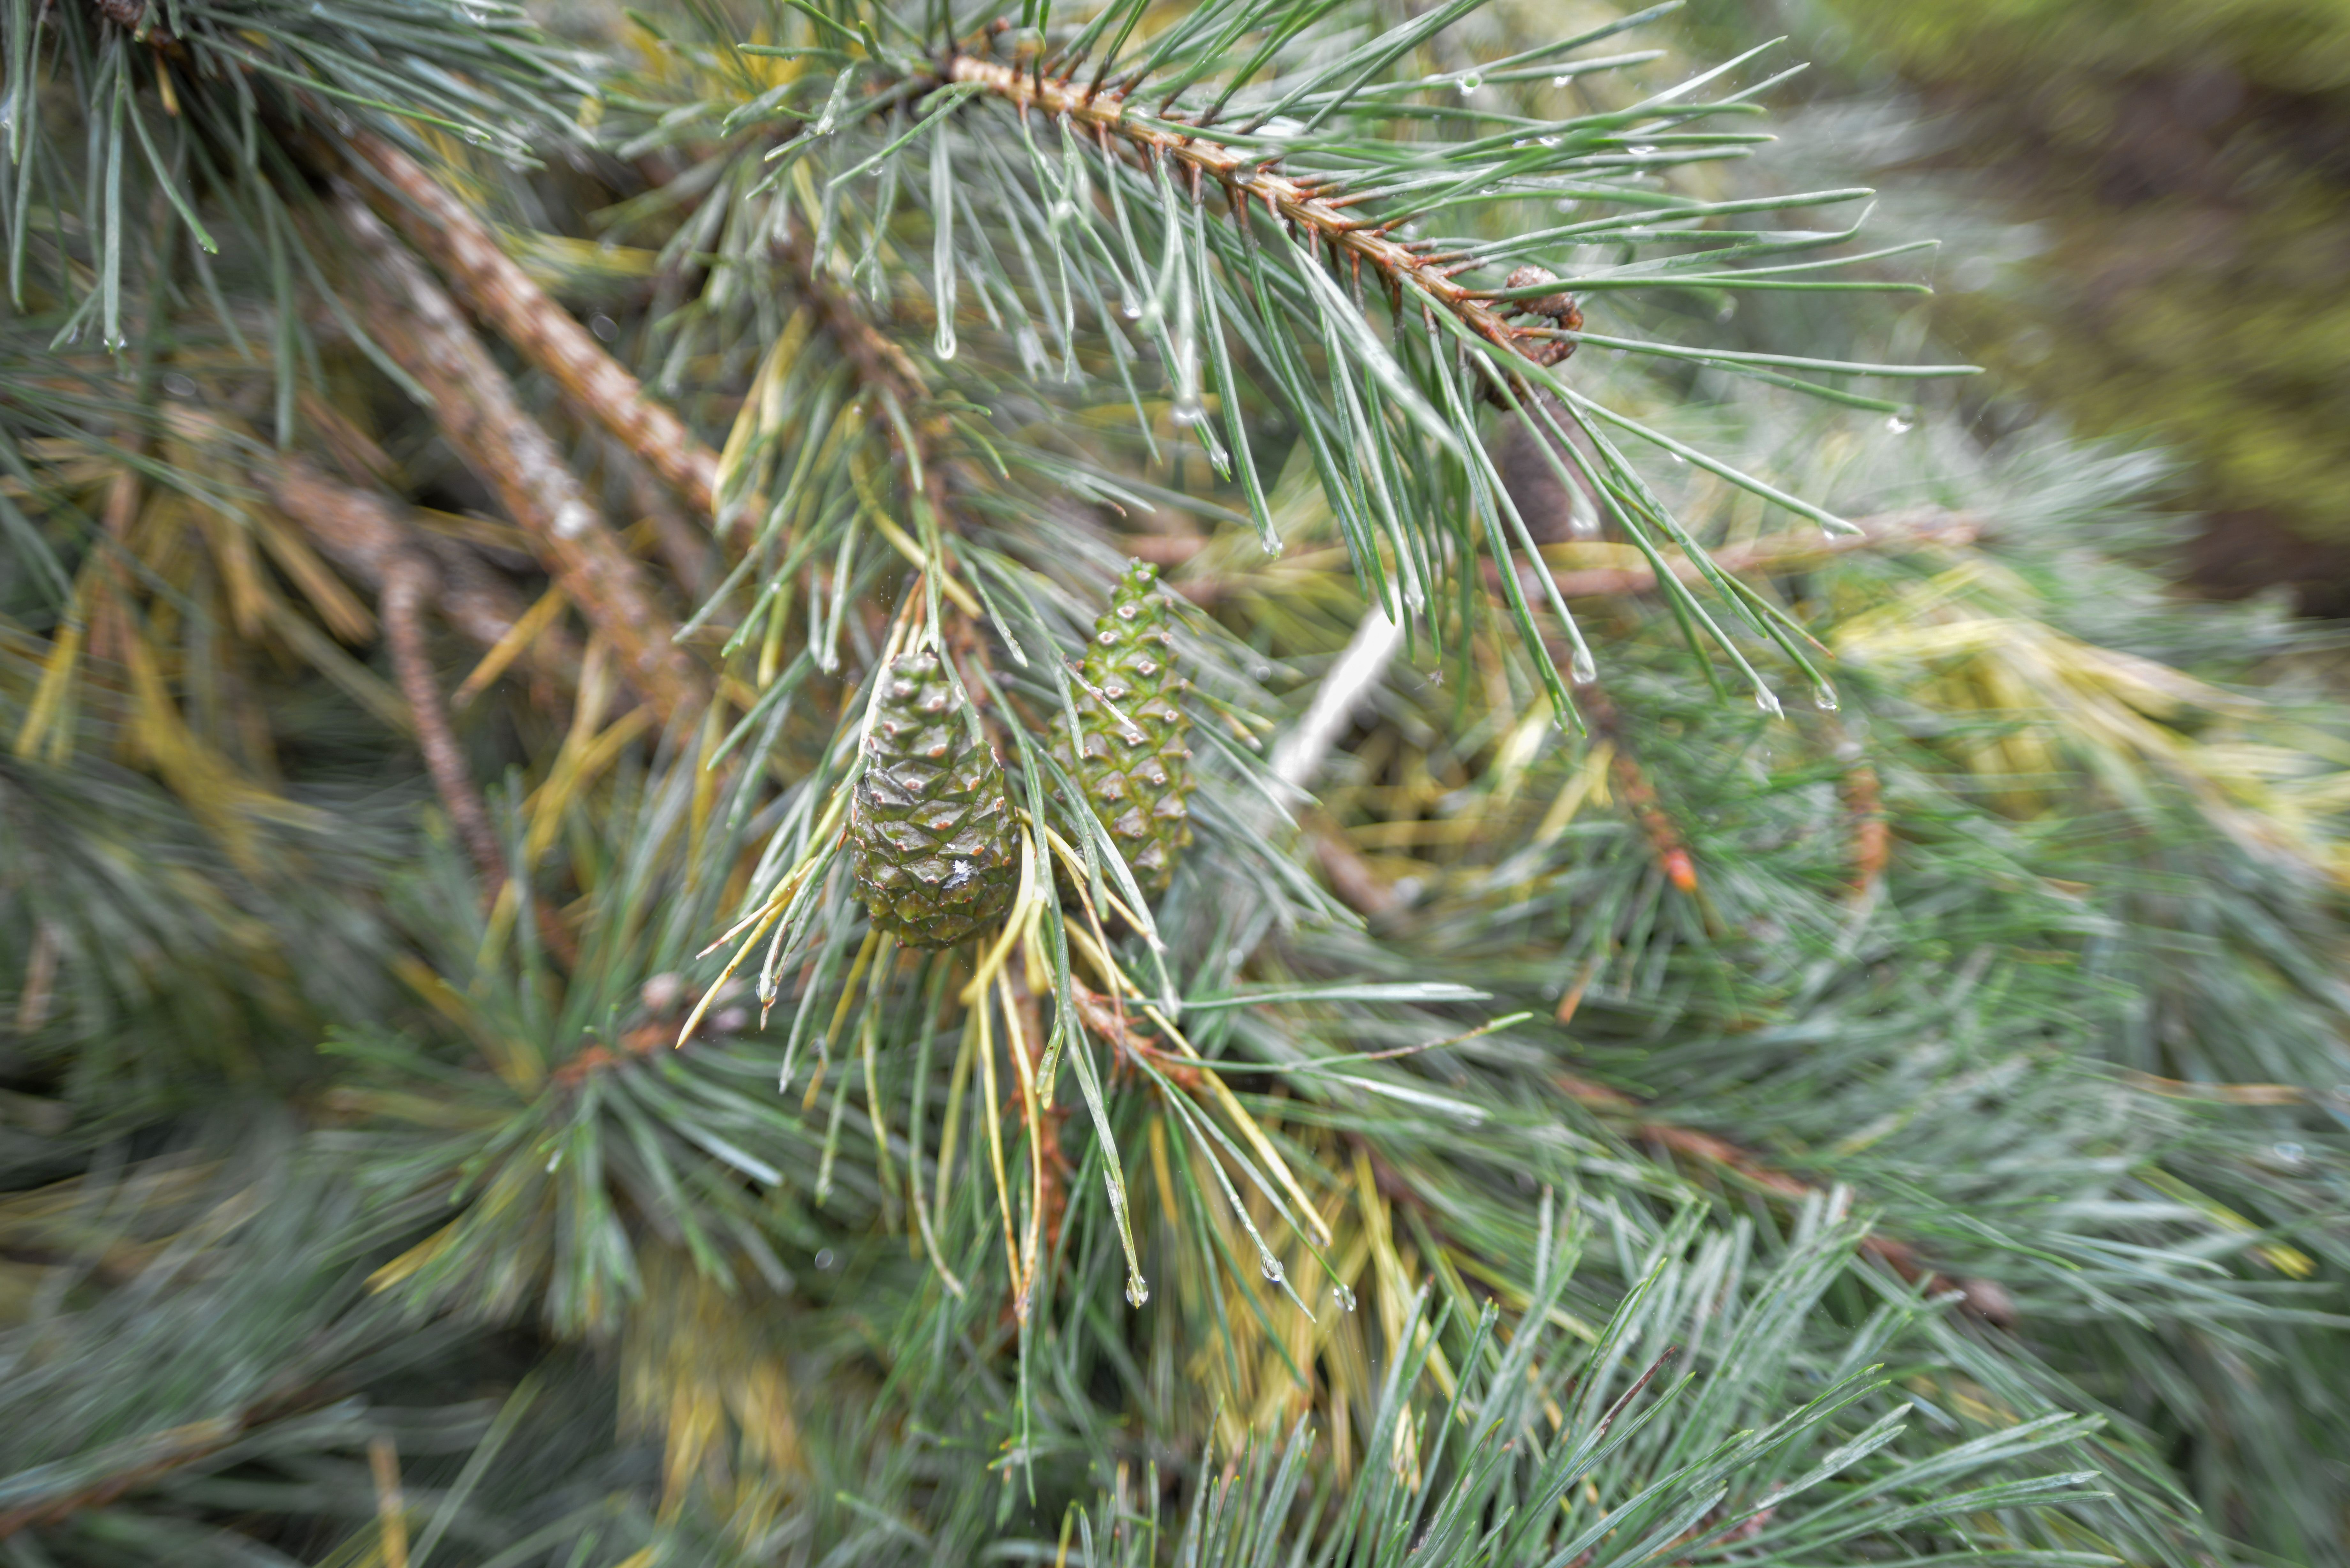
(1247, 175)
(504, 298)
(478, 412)
(409, 585)
(1985, 1298)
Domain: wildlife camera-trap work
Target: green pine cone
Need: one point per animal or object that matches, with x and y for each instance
(1136, 769)
(930, 828)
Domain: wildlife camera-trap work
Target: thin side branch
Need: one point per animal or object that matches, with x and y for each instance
(1984, 1297)
(1315, 207)
(477, 410)
(365, 534)
(409, 585)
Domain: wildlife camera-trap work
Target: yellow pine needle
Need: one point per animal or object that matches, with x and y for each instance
(1015, 1042)
(48, 701)
(1027, 906)
(992, 1112)
(870, 503)
(950, 1129)
(526, 630)
(390, 1508)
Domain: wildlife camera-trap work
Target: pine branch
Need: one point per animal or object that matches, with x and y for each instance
(365, 534)
(1985, 1298)
(409, 585)
(476, 409)
(504, 297)
(1312, 207)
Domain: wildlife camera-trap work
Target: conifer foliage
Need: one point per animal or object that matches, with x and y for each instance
(631, 929)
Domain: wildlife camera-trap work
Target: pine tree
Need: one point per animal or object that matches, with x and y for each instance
(1740, 984)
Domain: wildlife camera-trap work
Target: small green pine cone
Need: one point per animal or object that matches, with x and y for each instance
(1135, 770)
(930, 827)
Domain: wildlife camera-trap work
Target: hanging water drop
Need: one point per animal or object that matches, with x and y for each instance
(1823, 698)
(1137, 1293)
(1274, 1272)
(1729, 308)
(944, 347)
(1345, 1297)
(1901, 424)
(1189, 410)
(1583, 670)
(1468, 82)
(1768, 700)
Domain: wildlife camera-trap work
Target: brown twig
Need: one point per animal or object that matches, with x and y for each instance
(477, 410)
(1985, 1298)
(1094, 1011)
(367, 536)
(409, 585)
(1311, 205)
(504, 297)
(1872, 831)
(1664, 836)
(1778, 553)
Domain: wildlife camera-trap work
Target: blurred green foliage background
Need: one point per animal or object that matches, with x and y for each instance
(2179, 172)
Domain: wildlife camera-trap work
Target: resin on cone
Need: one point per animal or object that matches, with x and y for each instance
(1134, 769)
(930, 827)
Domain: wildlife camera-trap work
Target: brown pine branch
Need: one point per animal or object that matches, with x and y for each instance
(409, 585)
(477, 410)
(503, 297)
(1314, 205)
(1985, 1298)
(1922, 528)
(366, 535)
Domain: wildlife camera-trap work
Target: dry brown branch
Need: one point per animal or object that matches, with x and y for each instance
(476, 410)
(1664, 836)
(502, 296)
(1094, 1011)
(366, 535)
(1778, 553)
(408, 584)
(1985, 1298)
(1872, 832)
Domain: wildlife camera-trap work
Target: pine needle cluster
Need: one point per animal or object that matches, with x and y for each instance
(861, 783)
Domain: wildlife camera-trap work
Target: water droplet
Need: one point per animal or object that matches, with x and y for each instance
(2288, 1153)
(944, 347)
(1062, 211)
(1729, 308)
(1583, 670)
(1189, 410)
(179, 386)
(1678, 460)
(1823, 698)
(1137, 1293)
(1273, 1271)
(1901, 424)
(1641, 151)
(825, 1260)
(1345, 1297)
(1768, 700)
(1468, 82)
(603, 327)
(1272, 543)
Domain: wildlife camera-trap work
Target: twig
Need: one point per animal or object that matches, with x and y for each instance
(1666, 841)
(408, 585)
(366, 535)
(1299, 754)
(1986, 1298)
(477, 410)
(1095, 1011)
(1778, 553)
(1246, 176)
(504, 297)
